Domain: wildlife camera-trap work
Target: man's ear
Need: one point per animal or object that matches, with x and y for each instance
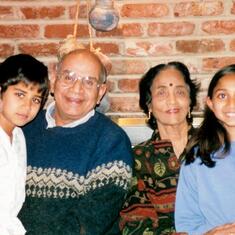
(101, 92)
(52, 83)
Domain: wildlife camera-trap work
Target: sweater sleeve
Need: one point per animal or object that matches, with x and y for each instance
(188, 216)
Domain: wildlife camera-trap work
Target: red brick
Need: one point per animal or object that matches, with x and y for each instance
(211, 64)
(144, 10)
(200, 46)
(137, 48)
(39, 49)
(108, 48)
(211, 8)
(171, 29)
(19, 31)
(124, 104)
(132, 30)
(128, 85)
(129, 66)
(117, 32)
(233, 8)
(232, 45)
(125, 30)
(6, 12)
(62, 30)
(218, 27)
(147, 48)
(82, 11)
(6, 50)
(42, 12)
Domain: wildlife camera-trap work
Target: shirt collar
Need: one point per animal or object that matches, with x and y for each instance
(51, 121)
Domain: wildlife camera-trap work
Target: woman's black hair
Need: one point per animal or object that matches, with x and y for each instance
(24, 68)
(211, 135)
(146, 83)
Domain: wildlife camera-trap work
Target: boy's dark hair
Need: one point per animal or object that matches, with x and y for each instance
(24, 68)
(211, 135)
(146, 83)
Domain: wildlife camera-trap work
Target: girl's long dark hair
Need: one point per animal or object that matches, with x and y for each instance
(211, 135)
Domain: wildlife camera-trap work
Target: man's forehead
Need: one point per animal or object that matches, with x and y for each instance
(84, 54)
(86, 59)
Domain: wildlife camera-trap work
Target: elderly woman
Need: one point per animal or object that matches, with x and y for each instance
(167, 96)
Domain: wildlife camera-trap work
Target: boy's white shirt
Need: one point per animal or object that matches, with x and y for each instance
(12, 181)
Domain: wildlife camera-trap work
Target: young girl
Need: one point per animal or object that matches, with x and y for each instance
(23, 91)
(206, 189)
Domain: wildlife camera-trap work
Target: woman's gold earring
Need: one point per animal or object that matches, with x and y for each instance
(149, 115)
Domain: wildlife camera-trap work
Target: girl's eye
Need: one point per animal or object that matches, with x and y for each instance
(221, 96)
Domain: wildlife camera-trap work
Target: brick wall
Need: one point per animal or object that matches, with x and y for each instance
(199, 33)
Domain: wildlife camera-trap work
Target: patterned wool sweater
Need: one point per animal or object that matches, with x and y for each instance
(77, 177)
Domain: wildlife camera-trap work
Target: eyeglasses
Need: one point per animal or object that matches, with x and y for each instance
(68, 78)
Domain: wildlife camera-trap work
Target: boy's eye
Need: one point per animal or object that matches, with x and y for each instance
(20, 94)
(37, 100)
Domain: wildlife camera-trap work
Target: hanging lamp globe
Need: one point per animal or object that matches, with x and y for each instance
(103, 16)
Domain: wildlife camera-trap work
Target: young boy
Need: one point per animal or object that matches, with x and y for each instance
(24, 87)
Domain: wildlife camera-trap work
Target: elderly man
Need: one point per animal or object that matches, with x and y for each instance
(79, 161)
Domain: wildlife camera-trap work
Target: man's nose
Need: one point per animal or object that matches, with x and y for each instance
(77, 85)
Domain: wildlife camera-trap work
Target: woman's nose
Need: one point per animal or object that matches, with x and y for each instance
(171, 99)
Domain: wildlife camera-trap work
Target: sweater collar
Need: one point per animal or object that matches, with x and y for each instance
(51, 121)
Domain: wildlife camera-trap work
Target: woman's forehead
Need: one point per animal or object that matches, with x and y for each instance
(169, 78)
